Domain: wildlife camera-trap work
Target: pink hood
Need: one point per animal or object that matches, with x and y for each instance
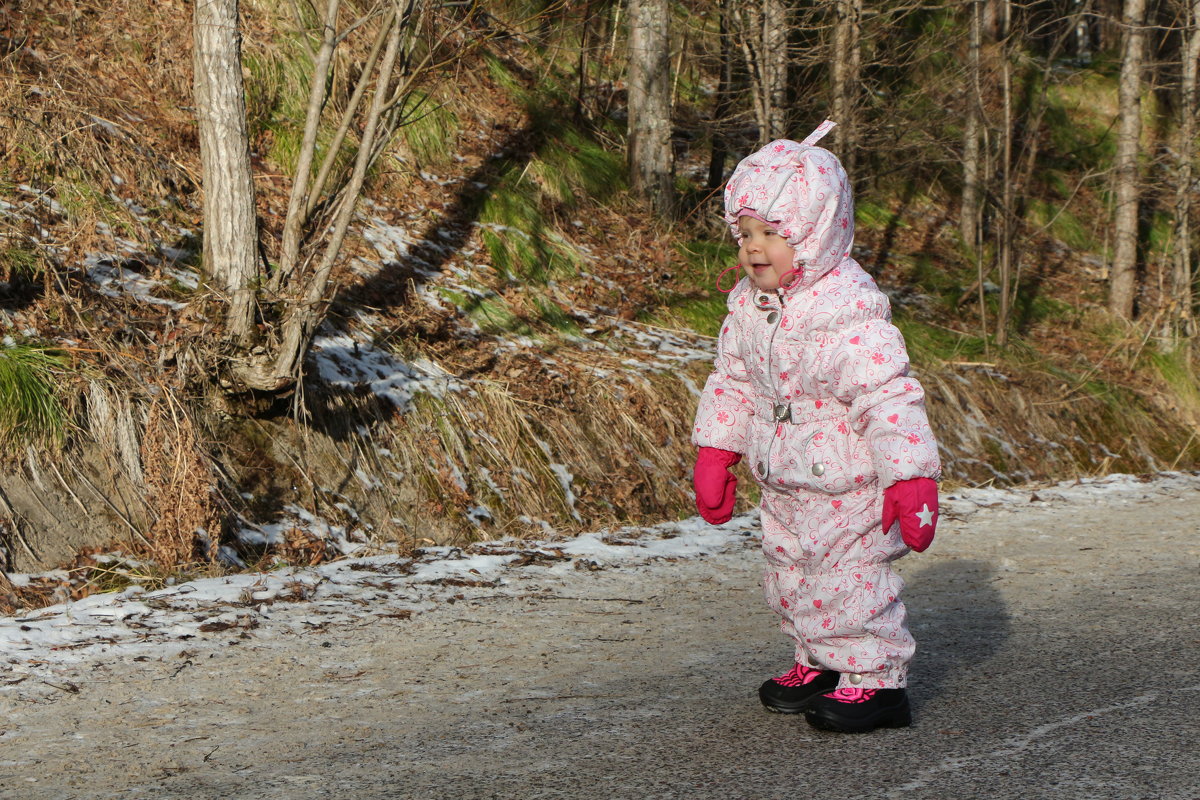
(803, 189)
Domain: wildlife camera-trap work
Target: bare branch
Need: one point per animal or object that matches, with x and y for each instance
(293, 226)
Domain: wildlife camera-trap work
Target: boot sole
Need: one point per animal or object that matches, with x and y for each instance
(897, 717)
(797, 706)
(782, 709)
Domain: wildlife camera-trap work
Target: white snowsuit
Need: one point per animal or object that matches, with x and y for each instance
(811, 384)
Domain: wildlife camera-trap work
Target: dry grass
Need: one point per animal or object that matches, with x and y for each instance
(181, 487)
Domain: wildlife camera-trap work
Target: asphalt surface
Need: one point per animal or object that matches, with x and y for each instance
(1059, 657)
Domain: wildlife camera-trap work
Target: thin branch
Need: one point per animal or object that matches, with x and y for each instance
(293, 226)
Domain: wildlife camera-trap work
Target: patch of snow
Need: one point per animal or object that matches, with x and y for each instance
(134, 621)
(114, 280)
(352, 361)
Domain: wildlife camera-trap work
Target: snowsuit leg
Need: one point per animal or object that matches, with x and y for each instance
(829, 577)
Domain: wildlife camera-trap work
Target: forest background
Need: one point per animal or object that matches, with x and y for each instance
(286, 281)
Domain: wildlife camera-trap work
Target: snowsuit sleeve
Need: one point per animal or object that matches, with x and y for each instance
(726, 404)
(867, 365)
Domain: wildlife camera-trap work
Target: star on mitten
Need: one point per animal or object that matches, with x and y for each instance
(914, 503)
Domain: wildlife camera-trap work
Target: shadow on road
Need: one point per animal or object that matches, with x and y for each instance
(959, 620)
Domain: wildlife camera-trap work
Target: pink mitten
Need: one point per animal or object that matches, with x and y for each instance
(915, 503)
(715, 484)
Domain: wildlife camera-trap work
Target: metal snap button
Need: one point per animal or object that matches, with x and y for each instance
(818, 469)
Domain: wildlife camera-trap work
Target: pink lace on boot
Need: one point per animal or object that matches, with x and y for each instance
(799, 676)
(851, 694)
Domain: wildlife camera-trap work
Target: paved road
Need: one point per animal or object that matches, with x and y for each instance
(1059, 657)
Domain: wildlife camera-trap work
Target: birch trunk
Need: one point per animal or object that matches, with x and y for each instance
(969, 217)
(651, 162)
(1181, 284)
(1123, 275)
(230, 224)
(1007, 226)
(774, 38)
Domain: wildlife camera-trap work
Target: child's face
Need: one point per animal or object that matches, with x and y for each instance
(764, 255)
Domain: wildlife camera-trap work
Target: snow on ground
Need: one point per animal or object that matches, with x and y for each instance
(352, 360)
(136, 623)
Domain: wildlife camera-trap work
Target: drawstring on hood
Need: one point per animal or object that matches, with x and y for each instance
(804, 192)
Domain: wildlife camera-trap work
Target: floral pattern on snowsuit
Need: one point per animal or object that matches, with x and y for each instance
(812, 385)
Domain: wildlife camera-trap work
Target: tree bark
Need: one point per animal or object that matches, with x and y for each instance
(774, 38)
(969, 216)
(230, 223)
(846, 63)
(651, 161)
(1123, 275)
(1183, 325)
(716, 164)
(1007, 213)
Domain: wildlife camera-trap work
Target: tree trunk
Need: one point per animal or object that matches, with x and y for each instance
(969, 217)
(716, 164)
(651, 162)
(1007, 212)
(1181, 283)
(230, 224)
(846, 60)
(774, 38)
(1123, 276)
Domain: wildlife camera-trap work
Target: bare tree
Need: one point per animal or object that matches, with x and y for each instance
(230, 225)
(762, 27)
(724, 101)
(1182, 322)
(969, 216)
(1007, 233)
(651, 160)
(775, 28)
(847, 60)
(1123, 274)
(267, 348)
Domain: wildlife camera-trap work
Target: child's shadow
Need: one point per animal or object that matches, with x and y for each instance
(959, 621)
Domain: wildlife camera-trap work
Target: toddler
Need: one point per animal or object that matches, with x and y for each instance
(811, 384)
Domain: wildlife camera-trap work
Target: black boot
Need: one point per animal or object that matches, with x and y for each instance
(791, 693)
(854, 710)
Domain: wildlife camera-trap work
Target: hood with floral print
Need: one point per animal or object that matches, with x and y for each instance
(803, 190)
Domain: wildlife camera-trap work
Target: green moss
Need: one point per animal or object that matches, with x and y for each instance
(696, 303)
(553, 315)
(428, 129)
(1176, 370)
(18, 258)
(930, 344)
(277, 97)
(572, 166)
(1063, 225)
(493, 315)
(873, 216)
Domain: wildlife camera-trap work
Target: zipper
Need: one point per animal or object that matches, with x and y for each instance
(766, 470)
